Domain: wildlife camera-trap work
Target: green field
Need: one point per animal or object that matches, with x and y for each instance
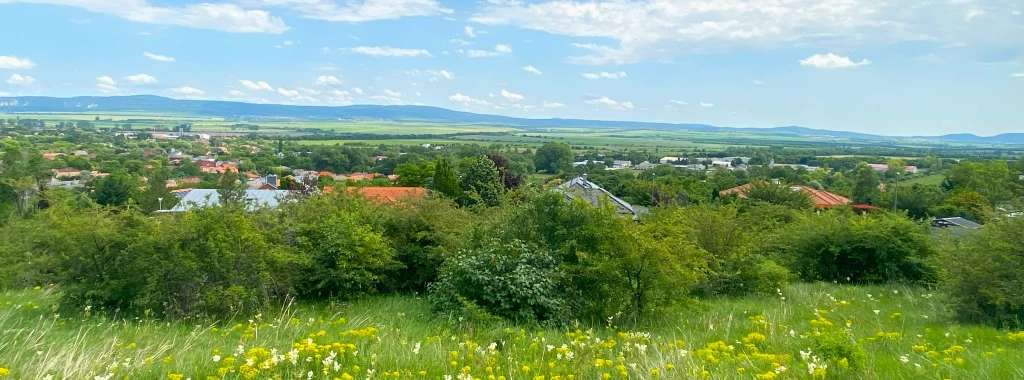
(905, 333)
(930, 180)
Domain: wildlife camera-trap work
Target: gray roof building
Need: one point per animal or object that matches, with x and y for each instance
(581, 188)
(199, 198)
(955, 222)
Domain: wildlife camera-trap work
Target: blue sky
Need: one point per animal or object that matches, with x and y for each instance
(911, 67)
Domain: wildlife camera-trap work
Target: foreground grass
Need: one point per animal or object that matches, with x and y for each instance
(906, 333)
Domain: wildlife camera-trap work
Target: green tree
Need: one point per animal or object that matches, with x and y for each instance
(481, 183)
(983, 274)
(973, 206)
(445, 181)
(115, 189)
(990, 179)
(231, 188)
(20, 171)
(778, 194)
(553, 157)
(865, 185)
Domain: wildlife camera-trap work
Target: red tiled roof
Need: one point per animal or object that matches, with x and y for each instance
(388, 194)
(821, 198)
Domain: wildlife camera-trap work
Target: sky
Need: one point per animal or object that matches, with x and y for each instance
(908, 67)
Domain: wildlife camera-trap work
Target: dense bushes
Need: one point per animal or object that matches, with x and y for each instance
(608, 265)
(726, 243)
(513, 280)
(983, 274)
(842, 246)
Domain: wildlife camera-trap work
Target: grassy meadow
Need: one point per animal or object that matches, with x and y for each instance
(905, 332)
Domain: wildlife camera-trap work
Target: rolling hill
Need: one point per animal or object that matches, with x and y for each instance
(239, 110)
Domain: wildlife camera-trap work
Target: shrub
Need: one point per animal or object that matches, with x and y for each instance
(733, 263)
(841, 246)
(778, 194)
(214, 261)
(422, 233)
(345, 256)
(983, 273)
(512, 280)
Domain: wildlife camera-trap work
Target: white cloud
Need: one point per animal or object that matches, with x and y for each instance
(605, 75)
(467, 101)
(106, 85)
(14, 63)
(236, 93)
(831, 61)
(187, 91)
(157, 57)
(469, 31)
(499, 49)
(441, 74)
(359, 11)
(758, 82)
(662, 29)
(1017, 75)
(19, 80)
(511, 96)
(954, 45)
(261, 85)
(708, 105)
(288, 93)
(223, 17)
(387, 51)
(552, 105)
(328, 80)
(679, 102)
(531, 69)
(325, 50)
(140, 78)
(460, 41)
(339, 96)
(387, 95)
(972, 13)
(605, 101)
(357, 90)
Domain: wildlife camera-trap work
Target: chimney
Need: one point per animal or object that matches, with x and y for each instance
(272, 180)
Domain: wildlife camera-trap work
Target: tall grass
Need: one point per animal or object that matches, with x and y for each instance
(906, 332)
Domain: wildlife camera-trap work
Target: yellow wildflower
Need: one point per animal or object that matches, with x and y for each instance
(4, 371)
(175, 376)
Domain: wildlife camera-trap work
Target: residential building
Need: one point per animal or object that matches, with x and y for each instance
(383, 195)
(581, 188)
(882, 168)
(670, 160)
(694, 167)
(956, 222)
(644, 166)
(580, 163)
(198, 198)
(821, 198)
(52, 156)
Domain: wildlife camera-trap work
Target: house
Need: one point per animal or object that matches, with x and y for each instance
(742, 159)
(621, 164)
(644, 166)
(67, 173)
(821, 198)
(669, 160)
(1020, 177)
(81, 153)
(882, 168)
(384, 195)
(52, 156)
(580, 163)
(190, 180)
(198, 198)
(956, 222)
(581, 188)
(694, 167)
(380, 158)
(721, 163)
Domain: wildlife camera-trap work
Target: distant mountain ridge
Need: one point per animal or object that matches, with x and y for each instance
(151, 103)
